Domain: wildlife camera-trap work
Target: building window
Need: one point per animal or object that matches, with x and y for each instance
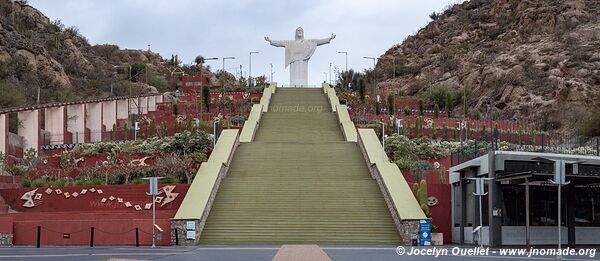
(189, 84)
(197, 83)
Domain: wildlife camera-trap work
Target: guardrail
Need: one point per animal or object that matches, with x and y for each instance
(346, 124)
(299, 86)
(266, 98)
(198, 201)
(398, 195)
(251, 125)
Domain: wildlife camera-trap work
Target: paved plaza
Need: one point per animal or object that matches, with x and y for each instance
(249, 253)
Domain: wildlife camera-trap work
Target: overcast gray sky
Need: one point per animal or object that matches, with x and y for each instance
(236, 27)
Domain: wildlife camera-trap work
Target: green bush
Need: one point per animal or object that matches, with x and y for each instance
(38, 183)
(59, 183)
(26, 183)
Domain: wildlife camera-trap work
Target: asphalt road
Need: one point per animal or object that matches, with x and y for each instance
(246, 253)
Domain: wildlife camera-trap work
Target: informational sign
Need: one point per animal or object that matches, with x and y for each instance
(154, 186)
(190, 225)
(190, 235)
(425, 232)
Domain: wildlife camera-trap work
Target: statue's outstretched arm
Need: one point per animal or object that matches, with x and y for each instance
(275, 43)
(324, 40)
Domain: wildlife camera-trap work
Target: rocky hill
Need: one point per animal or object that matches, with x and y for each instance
(38, 53)
(535, 61)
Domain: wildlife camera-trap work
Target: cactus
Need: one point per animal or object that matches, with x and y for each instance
(420, 193)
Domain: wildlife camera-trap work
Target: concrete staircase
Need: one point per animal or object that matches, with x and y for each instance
(299, 182)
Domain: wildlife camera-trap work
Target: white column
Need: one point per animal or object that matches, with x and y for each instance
(93, 120)
(4, 133)
(134, 105)
(29, 129)
(143, 105)
(109, 114)
(122, 109)
(55, 124)
(159, 98)
(152, 103)
(76, 122)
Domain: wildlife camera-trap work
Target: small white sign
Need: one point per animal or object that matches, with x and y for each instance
(190, 235)
(190, 225)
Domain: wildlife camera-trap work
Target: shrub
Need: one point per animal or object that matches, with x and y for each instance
(59, 183)
(10, 96)
(391, 103)
(437, 96)
(106, 50)
(26, 183)
(136, 70)
(38, 183)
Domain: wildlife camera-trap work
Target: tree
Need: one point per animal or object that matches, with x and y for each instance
(449, 104)
(135, 71)
(434, 16)
(199, 60)
(361, 89)
(206, 97)
(261, 81)
(391, 104)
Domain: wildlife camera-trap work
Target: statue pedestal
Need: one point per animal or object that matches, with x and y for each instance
(299, 73)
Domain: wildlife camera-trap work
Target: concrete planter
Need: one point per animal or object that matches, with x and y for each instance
(437, 239)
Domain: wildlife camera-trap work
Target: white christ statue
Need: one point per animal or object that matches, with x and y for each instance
(297, 54)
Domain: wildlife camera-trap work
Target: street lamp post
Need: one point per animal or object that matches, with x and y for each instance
(374, 65)
(325, 73)
(383, 140)
(271, 73)
(329, 73)
(346, 54)
(226, 58)
(250, 69)
(223, 72)
(153, 192)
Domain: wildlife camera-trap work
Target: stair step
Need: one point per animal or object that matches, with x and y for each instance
(299, 182)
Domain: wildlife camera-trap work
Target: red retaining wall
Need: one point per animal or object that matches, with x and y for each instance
(91, 201)
(441, 214)
(68, 221)
(71, 228)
